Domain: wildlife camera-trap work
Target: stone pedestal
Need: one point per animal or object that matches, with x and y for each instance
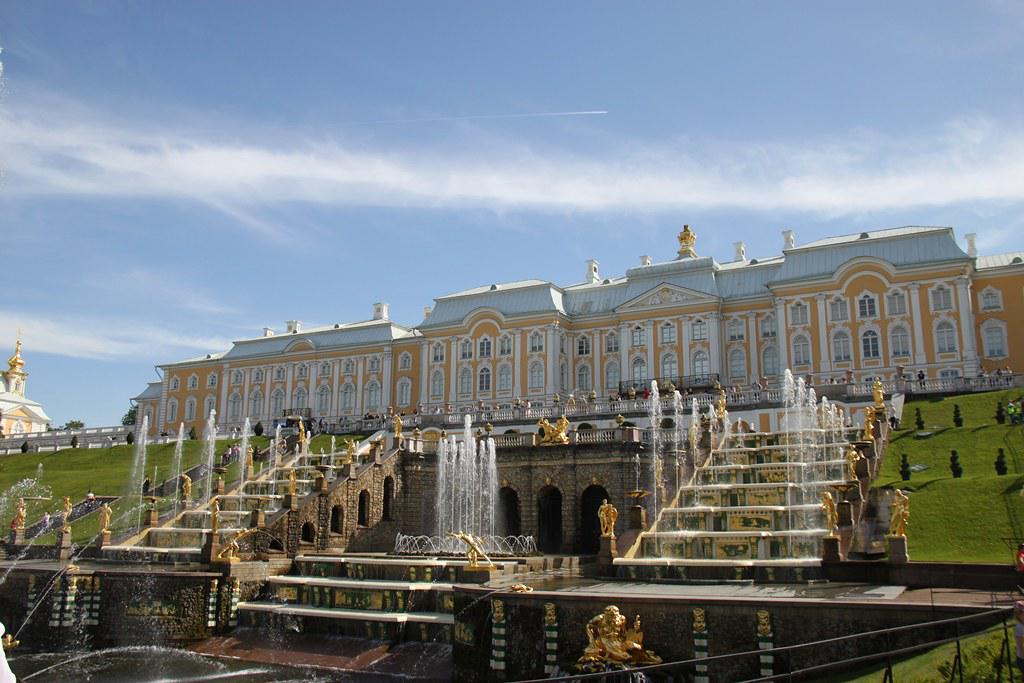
(897, 549)
(219, 487)
(18, 536)
(637, 517)
(104, 538)
(211, 548)
(257, 519)
(830, 549)
(476, 575)
(320, 484)
(608, 551)
(249, 476)
(152, 517)
(64, 544)
(291, 500)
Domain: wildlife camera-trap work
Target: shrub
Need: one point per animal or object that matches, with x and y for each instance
(130, 439)
(192, 433)
(954, 465)
(918, 420)
(258, 429)
(904, 468)
(74, 441)
(1000, 413)
(24, 446)
(958, 420)
(1001, 463)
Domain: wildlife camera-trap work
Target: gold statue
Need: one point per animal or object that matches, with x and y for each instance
(474, 550)
(554, 434)
(498, 609)
(18, 523)
(302, 437)
(398, 426)
(631, 393)
(764, 624)
(608, 641)
(66, 527)
(248, 456)
(899, 514)
(186, 488)
(521, 588)
(292, 481)
(9, 643)
(350, 453)
(215, 515)
(687, 239)
(693, 435)
(720, 403)
(828, 507)
(550, 614)
(699, 624)
(852, 457)
(878, 394)
(105, 514)
(571, 402)
(607, 514)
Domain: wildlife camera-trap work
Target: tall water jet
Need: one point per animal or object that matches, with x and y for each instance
(332, 444)
(178, 449)
(275, 452)
(244, 457)
(138, 475)
(211, 446)
(654, 414)
(467, 487)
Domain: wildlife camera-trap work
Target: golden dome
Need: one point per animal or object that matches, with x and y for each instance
(16, 362)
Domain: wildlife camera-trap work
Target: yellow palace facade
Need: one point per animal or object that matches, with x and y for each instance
(876, 304)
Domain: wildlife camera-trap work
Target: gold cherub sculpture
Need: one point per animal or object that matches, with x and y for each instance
(554, 434)
(186, 488)
(609, 642)
(607, 514)
(66, 526)
(878, 394)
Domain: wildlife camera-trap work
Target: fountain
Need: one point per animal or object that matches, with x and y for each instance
(467, 488)
(211, 447)
(178, 448)
(244, 464)
(138, 475)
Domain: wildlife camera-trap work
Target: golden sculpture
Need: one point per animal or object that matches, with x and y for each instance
(398, 426)
(687, 239)
(852, 457)
(720, 404)
(699, 624)
(15, 363)
(878, 394)
(609, 642)
(350, 453)
(66, 526)
(899, 514)
(554, 434)
(550, 614)
(302, 437)
(571, 403)
(215, 515)
(18, 523)
(631, 393)
(521, 588)
(292, 481)
(693, 435)
(474, 550)
(186, 488)
(248, 456)
(828, 507)
(9, 643)
(764, 623)
(556, 399)
(105, 514)
(498, 609)
(607, 514)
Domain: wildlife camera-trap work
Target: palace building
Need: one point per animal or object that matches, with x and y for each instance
(18, 414)
(905, 301)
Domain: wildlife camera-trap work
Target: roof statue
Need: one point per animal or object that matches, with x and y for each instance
(687, 238)
(16, 363)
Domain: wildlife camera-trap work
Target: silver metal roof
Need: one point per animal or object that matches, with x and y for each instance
(153, 390)
(511, 299)
(1000, 260)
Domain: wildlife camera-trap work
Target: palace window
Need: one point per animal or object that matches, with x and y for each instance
(896, 303)
(770, 361)
(798, 314)
(536, 342)
(484, 380)
(949, 374)
(669, 368)
(325, 369)
(172, 410)
(277, 403)
(348, 398)
(484, 347)
(991, 300)
(612, 376)
(437, 383)
(299, 399)
(611, 343)
(438, 353)
(255, 403)
(404, 390)
(536, 375)
(193, 382)
(323, 399)
(235, 407)
(942, 299)
(405, 361)
(300, 372)
(737, 364)
(279, 374)
(375, 364)
(838, 310)
(583, 346)
(668, 333)
(701, 366)
(505, 346)
(211, 380)
(190, 409)
(867, 307)
(698, 331)
(841, 346)
(736, 330)
(583, 378)
(208, 406)
(505, 378)
(257, 375)
(768, 327)
(236, 378)
(639, 336)
(945, 338)
(869, 345)
(561, 343)
(373, 396)
(993, 338)
(465, 381)
(639, 370)
(350, 367)
(899, 342)
(801, 350)
(563, 377)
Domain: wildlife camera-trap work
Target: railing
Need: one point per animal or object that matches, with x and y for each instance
(680, 382)
(941, 385)
(88, 437)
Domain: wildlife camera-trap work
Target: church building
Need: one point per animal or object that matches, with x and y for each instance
(18, 414)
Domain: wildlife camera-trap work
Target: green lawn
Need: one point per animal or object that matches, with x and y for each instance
(965, 519)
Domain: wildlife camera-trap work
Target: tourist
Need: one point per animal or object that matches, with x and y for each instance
(920, 378)
(46, 521)
(90, 497)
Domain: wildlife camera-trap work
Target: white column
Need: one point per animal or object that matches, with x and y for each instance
(782, 334)
(970, 355)
(915, 313)
(625, 344)
(715, 341)
(517, 370)
(453, 365)
(359, 387)
(385, 387)
(551, 351)
(752, 350)
(825, 355)
(597, 376)
(161, 413)
(652, 368)
(424, 370)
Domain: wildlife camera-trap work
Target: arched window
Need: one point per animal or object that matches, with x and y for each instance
(373, 396)
(505, 378)
(299, 399)
(611, 343)
(993, 339)
(172, 410)
(350, 367)
(190, 409)
(437, 383)
(484, 347)
(323, 399)
(389, 497)
(405, 361)
(235, 406)
(236, 378)
(639, 336)
(770, 361)
(841, 346)
(536, 375)
(465, 381)
(639, 368)
(801, 350)
(483, 382)
(899, 342)
(466, 349)
(193, 382)
(505, 346)
(348, 398)
(404, 391)
(208, 405)
(737, 364)
(701, 366)
(211, 380)
(536, 342)
(869, 344)
(945, 337)
(669, 367)
(736, 330)
(255, 403)
(867, 307)
(438, 353)
(325, 369)
(668, 333)
(612, 376)
(363, 517)
(583, 345)
(583, 378)
(175, 384)
(277, 403)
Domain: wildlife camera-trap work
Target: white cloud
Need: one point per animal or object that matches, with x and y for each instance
(976, 161)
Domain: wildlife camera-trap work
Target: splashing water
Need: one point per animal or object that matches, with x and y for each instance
(243, 465)
(211, 447)
(138, 475)
(178, 448)
(467, 487)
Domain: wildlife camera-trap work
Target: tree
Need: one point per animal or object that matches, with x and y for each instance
(958, 420)
(258, 429)
(74, 441)
(918, 420)
(24, 446)
(73, 424)
(1000, 413)
(904, 468)
(954, 465)
(130, 439)
(1001, 463)
(129, 418)
(192, 433)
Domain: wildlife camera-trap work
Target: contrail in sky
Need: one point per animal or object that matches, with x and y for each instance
(595, 112)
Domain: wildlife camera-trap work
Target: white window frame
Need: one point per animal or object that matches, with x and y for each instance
(867, 307)
(536, 342)
(994, 299)
(737, 364)
(946, 302)
(942, 326)
(736, 329)
(997, 327)
(638, 336)
(837, 354)
(583, 345)
(668, 333)
(699, 331)
(436, 384)
(899, 349)
(799, 314)
(838, 310)
(896, 303)
(801, 350)
(864, 343)
(611, 342)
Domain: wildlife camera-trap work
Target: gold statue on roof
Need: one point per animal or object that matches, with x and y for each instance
(16, 362)
(687, 239)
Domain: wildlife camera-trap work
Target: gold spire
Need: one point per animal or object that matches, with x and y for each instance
(687, 238)
(15, 363)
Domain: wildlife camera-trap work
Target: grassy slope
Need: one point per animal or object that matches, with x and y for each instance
(966, 519)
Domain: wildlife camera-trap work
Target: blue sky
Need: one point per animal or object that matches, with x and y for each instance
(177, 175)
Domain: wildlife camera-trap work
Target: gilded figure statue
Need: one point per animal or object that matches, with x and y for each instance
(474, 550)
(215, 515)
(720, 403)
(350, 453)
(248, 456)
(292, 481)
(67, 514)
(609, 642)
(105, 515)
(699, 624)
(687, 240)
(302, 437)
(631, 393)
(397, 426)
(186, 488)
(764, 623)
(498, 610)
(554, 434)
(878, 394)
(607, 514)
(521, 588)
(571, 402)
(828, 508)
(18, 523)
(899, 513)
(693, 435)
(852, 457)
(556, 399)
(550, 614)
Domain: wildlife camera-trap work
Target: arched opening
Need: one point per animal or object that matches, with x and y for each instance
(549, 520)
(308, 533)
(337, 519)
(590, 526)
(364, 508)
(584, 425)
(145, 486)
(389, 494)
(667, 423)
(509, 520)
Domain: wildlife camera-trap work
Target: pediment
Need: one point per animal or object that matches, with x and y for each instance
(666, 296)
